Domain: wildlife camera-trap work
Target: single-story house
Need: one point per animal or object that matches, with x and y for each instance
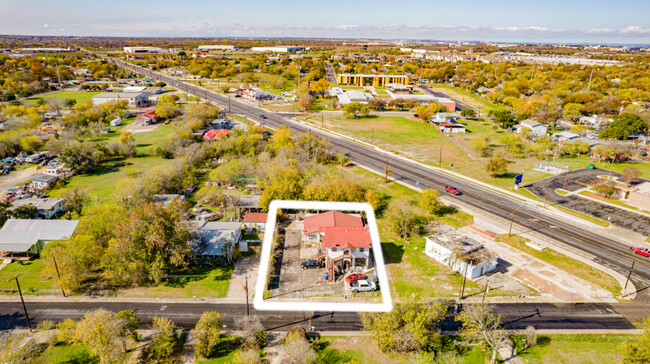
(46, 208)
(461, 254)
(134, 98)
(640, 196)
(249, 203)
(166, 199)
(43, 181)
(216, 134)
(536, 128)
(149, 117)
(444, 117)
(28, 237)
(215, 238)
(255, 220)
(452, 128)
(314, 227)
(347, 247)
(565, 136)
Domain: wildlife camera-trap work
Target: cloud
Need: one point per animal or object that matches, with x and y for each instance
(45, 25)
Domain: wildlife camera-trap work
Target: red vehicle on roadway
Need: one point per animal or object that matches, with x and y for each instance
(641, 251)
(453, 190)
(354, 277)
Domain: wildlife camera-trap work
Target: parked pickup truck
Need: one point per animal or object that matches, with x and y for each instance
(363, 286)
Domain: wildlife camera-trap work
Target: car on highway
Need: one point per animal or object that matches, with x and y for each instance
(312, 263)
(354, 277)
(641, 251)
(452, 189)
(363, 286)
(262, 116)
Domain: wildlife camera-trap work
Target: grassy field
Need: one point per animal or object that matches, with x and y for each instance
(568, 349)
(569, 265)
(483, 104)
(30, 280)
(78, 96)
(224, 352)
(100, 184)
(67, 354)
(200, 282)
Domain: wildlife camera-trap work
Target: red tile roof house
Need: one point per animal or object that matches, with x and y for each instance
(255, 220)
(315, 224)
(148, 118)
(216, 134)
(347, 247)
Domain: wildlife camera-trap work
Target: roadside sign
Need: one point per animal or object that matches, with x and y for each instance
(518, 178)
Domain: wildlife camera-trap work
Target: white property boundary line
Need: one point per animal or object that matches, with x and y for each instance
(267, 305)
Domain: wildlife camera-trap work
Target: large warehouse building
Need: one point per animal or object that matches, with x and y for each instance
(281, 49)
(371, 80)
(144, 50)
(217, 47)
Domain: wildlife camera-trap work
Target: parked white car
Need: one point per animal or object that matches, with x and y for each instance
(363, 286)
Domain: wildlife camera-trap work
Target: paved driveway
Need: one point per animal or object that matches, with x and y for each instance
(579, 179)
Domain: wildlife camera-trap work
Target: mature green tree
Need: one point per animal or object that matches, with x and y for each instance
(81, 157)
(355, 110)
(164, 341)
(429, 200)
(496, 166)
(637, 350)
(411, 326)
(468, 113)
(281, 139)
(24, 212)
(75, 199)
(206, 334)
(320, 86)
(334, 189)
(504, 119)
(401, 217)
(284, 183)
(573, 110)
(481, 325)
(103, 333)
(614, 132)
(479, 145)
(148, 243)
(75, 259)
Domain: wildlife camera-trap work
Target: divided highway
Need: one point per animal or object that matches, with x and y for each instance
(609, 252)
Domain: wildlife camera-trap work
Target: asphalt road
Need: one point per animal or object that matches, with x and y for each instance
(608, 252)
(331, 76)
(514, 316)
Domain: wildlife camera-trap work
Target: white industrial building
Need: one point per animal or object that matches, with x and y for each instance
(217, 47)
(144, 50)
(134, 98)
(280, 49)
(536, 128)
(461, 253)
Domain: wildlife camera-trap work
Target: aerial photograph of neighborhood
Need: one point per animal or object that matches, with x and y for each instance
(345, 182)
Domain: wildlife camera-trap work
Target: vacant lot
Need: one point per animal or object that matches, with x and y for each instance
(78, 96)
(200, 282)
(30, 280)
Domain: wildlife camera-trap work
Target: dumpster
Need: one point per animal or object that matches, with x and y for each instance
(326, 276)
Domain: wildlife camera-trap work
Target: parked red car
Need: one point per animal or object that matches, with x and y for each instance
(354, 277)
(453, 190)
(641, 251)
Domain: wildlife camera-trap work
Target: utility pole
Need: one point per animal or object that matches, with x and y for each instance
(299, 54)
(246, 289)
(56, 266)
(485, 291)
(628, 276)
(462, 286)
(440, 159)
(228, 104)
(29, 325)
(566, 177)
(373, 137)
(548, 184)
(322, 120)
(511, 220)
(56, 60)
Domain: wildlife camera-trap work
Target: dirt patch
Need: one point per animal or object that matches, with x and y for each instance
(16, 177)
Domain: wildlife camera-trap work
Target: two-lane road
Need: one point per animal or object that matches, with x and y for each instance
(609, 252)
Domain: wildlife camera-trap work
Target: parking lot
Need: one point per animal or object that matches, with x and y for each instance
(580, 179)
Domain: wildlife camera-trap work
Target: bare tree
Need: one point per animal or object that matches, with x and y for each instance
(481, 325)
(299, 351)
(630, 174)
(531, 336)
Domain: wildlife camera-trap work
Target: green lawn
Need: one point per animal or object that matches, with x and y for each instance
(61, 354)
(571, 349)
(79, 96)
(30, 280)
(203, 282)
(569, 265)
(468, 98)
(101, 183)
(225, 351)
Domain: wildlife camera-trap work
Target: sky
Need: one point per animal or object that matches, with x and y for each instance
(552, 21)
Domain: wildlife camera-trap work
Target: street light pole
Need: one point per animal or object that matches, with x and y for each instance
(511, 220)
(547, 186)
(29, 325)
(246, 289)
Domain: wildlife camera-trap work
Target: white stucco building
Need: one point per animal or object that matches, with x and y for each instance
(461, 253)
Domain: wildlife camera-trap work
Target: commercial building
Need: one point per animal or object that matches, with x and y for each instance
(144, 50)
(371, 80)
(461, 253)
(134, 98)
(217, 47)
(640, 196)
(279, 49)
(425, 99)
(25, 237)
(536, 128)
